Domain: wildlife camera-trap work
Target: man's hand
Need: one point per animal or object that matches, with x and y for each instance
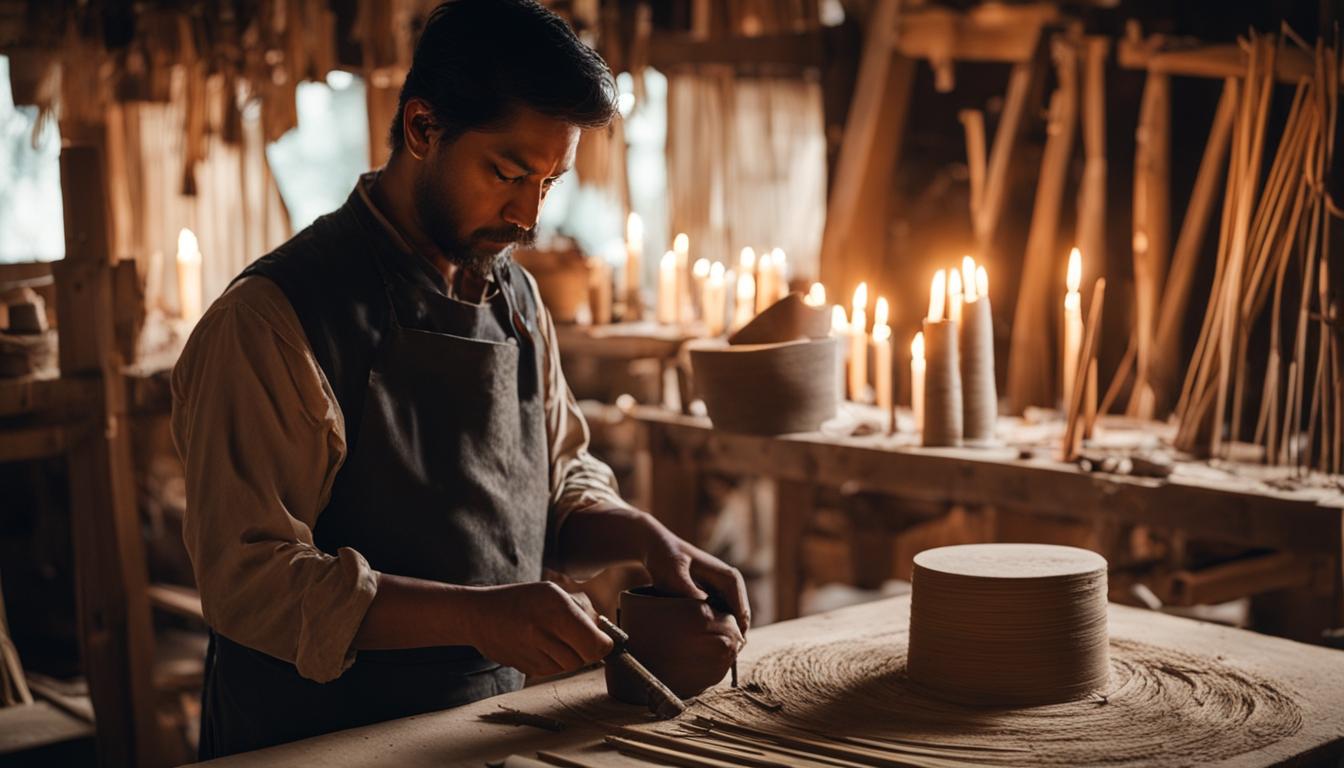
(536, 628)
(678, 568)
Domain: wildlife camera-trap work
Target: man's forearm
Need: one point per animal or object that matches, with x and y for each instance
(601, 536)
(417, 613)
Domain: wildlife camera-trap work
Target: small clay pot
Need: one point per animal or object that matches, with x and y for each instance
(667, 636)
(788, 319)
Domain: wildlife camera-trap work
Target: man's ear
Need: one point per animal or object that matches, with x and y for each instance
(417, 125)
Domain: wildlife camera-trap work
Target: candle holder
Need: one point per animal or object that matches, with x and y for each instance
(980, 397)
(942, 385)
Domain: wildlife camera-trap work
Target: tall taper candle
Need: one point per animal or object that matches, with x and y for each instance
(979, 393)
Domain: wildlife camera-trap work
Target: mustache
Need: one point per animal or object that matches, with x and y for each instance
(510, 234)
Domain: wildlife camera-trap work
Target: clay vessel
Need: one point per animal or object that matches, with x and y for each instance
(785, 320)
(767, 389)
(668, 636)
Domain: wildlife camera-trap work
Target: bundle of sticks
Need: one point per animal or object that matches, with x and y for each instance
(1274, 246)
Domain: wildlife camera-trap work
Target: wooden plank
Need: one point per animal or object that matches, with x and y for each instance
(115, 630)
(176, 599)
(1032, 358)
(794, 502)
(1002, 33)
(458, 737)
(26, 727)
(1210, 61)
(27, 443)
(1217, 511)
(674, 489)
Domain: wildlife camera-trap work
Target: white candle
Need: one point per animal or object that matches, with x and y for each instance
(1073, 323)
(917, 380)
(954, 296)
(667, 288)
(600, 276)
(968, 279)
(634, 252)
(714, 300)
(840, 330)
(816, 296)
(781, 273)
(765, 281)
(858, 346)
(981, 281)
(746, 296)
(682, 246)
(937, 296)
(882, 359)
(699, 273)
(189, 275)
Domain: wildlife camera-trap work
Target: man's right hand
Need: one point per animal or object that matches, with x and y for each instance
(535, 628)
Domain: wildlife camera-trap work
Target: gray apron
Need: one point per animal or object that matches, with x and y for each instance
(448, 482)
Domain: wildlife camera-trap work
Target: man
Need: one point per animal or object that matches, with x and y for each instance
(380, 447)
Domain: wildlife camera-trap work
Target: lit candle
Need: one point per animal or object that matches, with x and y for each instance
(744, 305)
(682, 246)
(917, 380)
(765, 281)
(937, 296)
(714, 300)
(634, 253)
(858, 346)
(816, 296)
(1073, 322)
(882, 359)
(667, 288)
(840, 329)
(746, 292)
(968, 279)
(954, 296)
(599, 290)
(781, 273)
(188, 275)
(980, 400)
(699, 273)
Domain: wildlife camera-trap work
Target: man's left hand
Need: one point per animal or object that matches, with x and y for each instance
(678, 568)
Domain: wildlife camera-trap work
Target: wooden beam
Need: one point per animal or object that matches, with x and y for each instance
(27, 443)
(1002, 33)
(1209, 61)
(854, 240)
(794, 503)
(1032, 360)
(1151, 228)
(115, 630)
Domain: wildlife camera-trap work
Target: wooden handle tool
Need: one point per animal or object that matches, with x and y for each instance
(662, 701)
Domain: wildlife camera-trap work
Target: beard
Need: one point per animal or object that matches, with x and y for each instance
(478, 252)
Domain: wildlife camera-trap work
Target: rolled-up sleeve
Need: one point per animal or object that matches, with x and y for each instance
(261, 438)
(579, 480)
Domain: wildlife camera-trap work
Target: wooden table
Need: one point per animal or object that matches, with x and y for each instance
(1196, 499)
(457, 737)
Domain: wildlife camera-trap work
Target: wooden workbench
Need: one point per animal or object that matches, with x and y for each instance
(1205, 502)
(458, 738)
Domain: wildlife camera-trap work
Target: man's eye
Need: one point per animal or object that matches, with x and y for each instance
(510, 179)
(554, 182)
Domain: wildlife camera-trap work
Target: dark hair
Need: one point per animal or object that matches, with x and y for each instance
(478, 59)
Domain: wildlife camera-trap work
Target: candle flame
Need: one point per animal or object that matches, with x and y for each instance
(816, 296)
(634, 230)
(954, 285)
(880, 314)
(839, 323)
(701, 269)
(747, 259)
(780, 259)
(669, 260)
(881, 333)
(1075, 274)
(937, 296)
(188, 247)
(968, 278)
(861, 296)
(917, 347)
(981, 281)
(716, 271)
(681, 244)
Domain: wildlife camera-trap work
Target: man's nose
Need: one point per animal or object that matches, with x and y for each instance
(524, 207)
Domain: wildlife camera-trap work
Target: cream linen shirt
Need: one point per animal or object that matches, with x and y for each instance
(262, 437)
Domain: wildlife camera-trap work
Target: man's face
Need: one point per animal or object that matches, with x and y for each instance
(479, 194)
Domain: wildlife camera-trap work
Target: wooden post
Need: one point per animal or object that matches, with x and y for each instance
(116, 634)
(674, 487)
(854, 240)
(794, 502)
(1032, 359)
(1091, 229)
(1152, 162)
(1005, 138)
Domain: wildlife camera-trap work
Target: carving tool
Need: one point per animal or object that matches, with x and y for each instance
(662, 701)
